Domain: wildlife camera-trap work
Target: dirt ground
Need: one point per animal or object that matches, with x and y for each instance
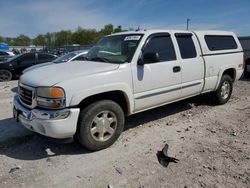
(211, 142)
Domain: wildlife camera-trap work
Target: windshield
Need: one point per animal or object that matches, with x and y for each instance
(114, 49)
(65, 58)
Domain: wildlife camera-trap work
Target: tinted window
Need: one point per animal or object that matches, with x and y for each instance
(45, 57)
(27, 57)
(186, 46)
(163, 46)
(220, 42)
(65, 58)
(80, 58)
(3, 53)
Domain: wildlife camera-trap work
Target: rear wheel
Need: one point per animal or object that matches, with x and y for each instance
(5, 75)
(100, 124)
(224, 91)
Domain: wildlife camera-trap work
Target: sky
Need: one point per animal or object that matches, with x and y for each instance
(33, 17)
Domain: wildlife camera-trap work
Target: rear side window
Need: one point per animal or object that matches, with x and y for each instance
(163, 46)
(215, 42)
(27, 57)
(186, 45)
(45, 57)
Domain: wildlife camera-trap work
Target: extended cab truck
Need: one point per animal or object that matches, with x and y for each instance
(124, 74)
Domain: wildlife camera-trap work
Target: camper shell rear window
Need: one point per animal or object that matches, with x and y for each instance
(220, 42)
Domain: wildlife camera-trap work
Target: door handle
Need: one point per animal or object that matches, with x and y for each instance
(177, 69)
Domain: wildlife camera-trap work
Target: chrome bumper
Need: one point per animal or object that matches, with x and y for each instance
(39, 113)
(51, 123)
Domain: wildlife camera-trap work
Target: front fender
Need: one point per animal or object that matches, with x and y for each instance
(83, 94)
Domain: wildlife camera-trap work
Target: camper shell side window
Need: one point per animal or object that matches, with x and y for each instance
(220, 42)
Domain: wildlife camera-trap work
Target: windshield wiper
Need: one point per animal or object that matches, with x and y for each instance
(102, 59)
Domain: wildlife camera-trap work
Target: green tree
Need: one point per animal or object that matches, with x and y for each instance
(118, 29)
(63, 38)
(107, 30)
(48, 39)
(40, 40)
(76, 37)
(85, 36)
(10, 41)
(22, 40)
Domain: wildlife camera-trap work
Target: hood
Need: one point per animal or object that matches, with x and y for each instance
(55, 73)
(36, 66)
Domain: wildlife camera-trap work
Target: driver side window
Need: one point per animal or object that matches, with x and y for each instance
(163, 46)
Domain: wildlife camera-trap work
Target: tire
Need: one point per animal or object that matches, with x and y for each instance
(100, 124)
(224, 91)
(5, 75)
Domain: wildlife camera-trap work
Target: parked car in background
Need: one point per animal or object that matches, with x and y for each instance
(245, 43)
(5, 55)
(71, 56)
(247, 68)
(13, 67)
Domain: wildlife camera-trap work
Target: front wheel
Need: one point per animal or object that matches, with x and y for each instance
(5, 75)
(224, 91)
(100, 124)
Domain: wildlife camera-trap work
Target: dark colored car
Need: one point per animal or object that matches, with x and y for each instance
(13, 67)
(247, 68)
(5, 55)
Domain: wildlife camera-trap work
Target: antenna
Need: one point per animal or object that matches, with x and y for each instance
(138, 29)
(188, 20)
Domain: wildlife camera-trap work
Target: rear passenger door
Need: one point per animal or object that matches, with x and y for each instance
(192, 64)
(159, 82)
(43, 58)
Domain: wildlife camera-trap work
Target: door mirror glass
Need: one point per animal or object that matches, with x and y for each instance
(151, 57)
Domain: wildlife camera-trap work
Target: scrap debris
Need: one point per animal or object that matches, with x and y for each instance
(163, 157)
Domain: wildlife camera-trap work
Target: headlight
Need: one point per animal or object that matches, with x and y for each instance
(50, 97)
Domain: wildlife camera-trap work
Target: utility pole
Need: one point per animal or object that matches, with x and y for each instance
(188, 20)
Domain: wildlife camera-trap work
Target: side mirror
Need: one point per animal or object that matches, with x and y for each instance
(149, 57)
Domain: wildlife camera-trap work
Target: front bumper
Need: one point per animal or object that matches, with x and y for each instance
(51, 123)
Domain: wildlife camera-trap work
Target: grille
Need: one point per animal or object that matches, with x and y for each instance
(25, 96)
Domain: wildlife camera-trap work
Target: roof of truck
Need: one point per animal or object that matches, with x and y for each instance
(202, 32)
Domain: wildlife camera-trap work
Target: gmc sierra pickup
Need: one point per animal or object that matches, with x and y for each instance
(124, 74)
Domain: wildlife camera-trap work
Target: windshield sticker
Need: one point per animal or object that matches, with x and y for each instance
(133, 37)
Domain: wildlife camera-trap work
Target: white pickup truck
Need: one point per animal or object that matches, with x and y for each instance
(124, 74)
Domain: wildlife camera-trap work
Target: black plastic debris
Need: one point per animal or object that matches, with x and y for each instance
(163, 157)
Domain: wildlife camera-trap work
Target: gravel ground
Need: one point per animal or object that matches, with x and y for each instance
(211, 142)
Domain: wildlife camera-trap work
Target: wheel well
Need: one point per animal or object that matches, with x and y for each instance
(230, 72)
(117, 96)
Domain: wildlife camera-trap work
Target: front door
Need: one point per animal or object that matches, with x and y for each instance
(160, 82)
(24, 62)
